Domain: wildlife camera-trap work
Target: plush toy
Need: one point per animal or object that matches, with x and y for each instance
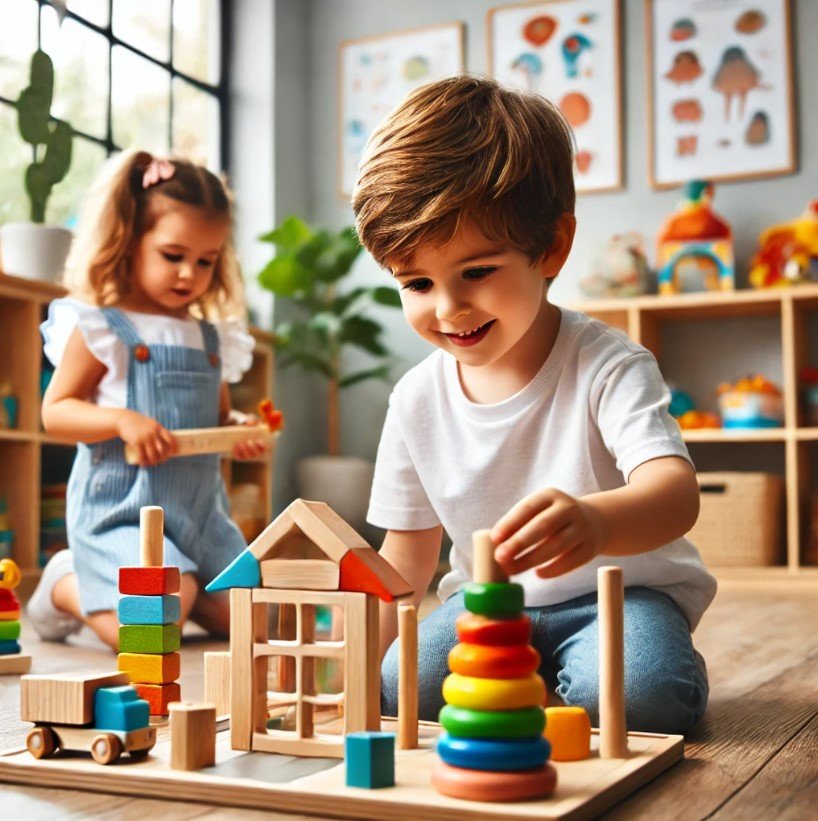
(788, 253)
(695, 246)
(619, 268)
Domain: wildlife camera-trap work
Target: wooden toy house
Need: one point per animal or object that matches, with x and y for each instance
(308, 557)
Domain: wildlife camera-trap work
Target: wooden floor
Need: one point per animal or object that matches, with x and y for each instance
(754, 756)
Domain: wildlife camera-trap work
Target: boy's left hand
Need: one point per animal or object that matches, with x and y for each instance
(254, 448)
(556, 533)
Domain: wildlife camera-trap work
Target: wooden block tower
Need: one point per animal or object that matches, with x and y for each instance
(149, 612)
(11, 659)
(493, 748)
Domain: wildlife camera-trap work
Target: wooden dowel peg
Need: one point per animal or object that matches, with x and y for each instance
(407, 677)
(613, 734)
(486, 569)
(151, 536)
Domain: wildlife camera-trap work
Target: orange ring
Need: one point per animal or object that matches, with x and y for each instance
(482, 785)
(482, 661)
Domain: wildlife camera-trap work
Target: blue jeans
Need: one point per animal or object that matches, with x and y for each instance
(665, 678)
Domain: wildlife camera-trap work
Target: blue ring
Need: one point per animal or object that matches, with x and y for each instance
(482, 754)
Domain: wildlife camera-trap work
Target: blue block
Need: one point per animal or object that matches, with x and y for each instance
(243, 571)
(485, 754)
(370, 760)
(9, 646)
(119, 708)
(149, 610)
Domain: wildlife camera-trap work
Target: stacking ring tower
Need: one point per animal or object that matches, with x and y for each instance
(492, 747)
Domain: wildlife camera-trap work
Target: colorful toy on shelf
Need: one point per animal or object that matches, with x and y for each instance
(492, 747)
(11, 659)
(683, 409)
(788, 253)
(808, 382)
(695, 246)
(149, 611)
(8, 407)
(98, 713)
(619, 269)
(53, 535)
(6, 530)
(753, 402)
(192, 441)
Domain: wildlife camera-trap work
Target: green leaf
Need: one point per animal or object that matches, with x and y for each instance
(282, 275)
(341, 303)
(363, 333)
(381, 372)
(292, 233)
(326, 322)
(386, 296)
(311, 362)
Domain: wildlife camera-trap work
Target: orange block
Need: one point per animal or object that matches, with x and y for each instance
(159, 696)
(147, 668)
(483, 661)
(569, 731)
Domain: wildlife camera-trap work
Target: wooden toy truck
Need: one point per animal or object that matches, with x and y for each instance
(100, 714)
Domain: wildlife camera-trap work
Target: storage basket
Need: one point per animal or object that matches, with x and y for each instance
(740, 521)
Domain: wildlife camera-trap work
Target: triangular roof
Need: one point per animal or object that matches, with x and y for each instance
(309, 529)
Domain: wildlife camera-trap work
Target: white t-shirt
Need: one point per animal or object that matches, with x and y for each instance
(64, 315)
(596, 410)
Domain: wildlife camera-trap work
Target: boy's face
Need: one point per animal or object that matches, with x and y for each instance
(474, 297)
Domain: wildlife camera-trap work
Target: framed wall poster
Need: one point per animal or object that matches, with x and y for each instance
(568, 51)
(376, 73)
(720, 90)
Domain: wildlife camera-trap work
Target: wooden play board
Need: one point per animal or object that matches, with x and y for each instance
(304, 785)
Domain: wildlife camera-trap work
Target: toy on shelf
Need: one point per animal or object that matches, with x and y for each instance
(8, 406)
(808, 378)
(53, 535)
(788, 253)
(619, 269)
(12, 661)
(149, 611)
(695, 246)
(683, 409)
(493, 747)
(6, 530)
(753, 402)
(194, 441)
(98, 713)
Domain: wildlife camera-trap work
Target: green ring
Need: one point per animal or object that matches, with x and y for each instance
(465, 723)
(495, 600)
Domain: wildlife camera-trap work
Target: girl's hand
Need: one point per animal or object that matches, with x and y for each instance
(548, 530)
(153, 443)
(252, 449)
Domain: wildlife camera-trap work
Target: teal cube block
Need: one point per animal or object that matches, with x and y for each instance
(370, 760)
(119, 708)
(149, 638)
(149, 609)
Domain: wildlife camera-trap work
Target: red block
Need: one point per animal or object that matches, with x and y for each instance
(148, 581)
(159, 696)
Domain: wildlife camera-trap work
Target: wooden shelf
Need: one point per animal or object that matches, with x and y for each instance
(23, 303)
(795, 308)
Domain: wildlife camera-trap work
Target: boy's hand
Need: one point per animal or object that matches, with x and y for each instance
(555, 532)
(252, 449)
(153, 443)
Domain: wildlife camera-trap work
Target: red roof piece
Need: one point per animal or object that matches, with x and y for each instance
(364, 571)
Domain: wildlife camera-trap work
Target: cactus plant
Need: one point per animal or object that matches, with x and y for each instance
(34, 121)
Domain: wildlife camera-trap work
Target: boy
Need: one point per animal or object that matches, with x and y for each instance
(540, 423)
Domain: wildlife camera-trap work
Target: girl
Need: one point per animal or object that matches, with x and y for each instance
(136, 357)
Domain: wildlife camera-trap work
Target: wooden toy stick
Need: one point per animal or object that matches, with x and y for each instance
(407, 677)
(613, 735)
(151, 530)
(486, 569)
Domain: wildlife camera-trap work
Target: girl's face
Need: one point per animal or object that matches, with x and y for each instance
(172, 262)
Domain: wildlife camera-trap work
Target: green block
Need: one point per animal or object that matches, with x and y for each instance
(9, 630)
(149, 638)
(497, 600)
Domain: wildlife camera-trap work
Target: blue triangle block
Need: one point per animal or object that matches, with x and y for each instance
(243, 571)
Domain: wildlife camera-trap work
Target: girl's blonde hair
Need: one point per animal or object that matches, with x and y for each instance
(119, 210)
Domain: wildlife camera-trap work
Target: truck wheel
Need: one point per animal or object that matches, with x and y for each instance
(40, 742)
(105, 748)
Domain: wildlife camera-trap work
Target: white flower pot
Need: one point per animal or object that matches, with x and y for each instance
(34, 251)
(343, 482)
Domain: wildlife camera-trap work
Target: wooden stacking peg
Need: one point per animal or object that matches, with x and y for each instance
(486, 568)
(613, 735)
(407, 677)
(151, 536)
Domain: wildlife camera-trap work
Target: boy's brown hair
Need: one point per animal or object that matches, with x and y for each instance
(465, 150)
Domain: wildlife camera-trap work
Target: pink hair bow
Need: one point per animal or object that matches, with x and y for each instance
(157, 171)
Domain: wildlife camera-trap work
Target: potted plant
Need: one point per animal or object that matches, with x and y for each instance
(33, 249)
(307, 271)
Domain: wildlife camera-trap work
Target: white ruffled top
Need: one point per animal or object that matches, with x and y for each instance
(64, 315)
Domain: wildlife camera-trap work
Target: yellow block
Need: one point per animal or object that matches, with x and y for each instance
(569, 731)
(147, 668)
(494, 693)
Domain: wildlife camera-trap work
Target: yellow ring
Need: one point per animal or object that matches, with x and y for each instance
(493, 693)
(9, 574)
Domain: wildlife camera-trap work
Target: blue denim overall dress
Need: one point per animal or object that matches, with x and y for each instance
(179, 387)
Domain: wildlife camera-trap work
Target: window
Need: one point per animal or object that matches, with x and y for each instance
(128, 73)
